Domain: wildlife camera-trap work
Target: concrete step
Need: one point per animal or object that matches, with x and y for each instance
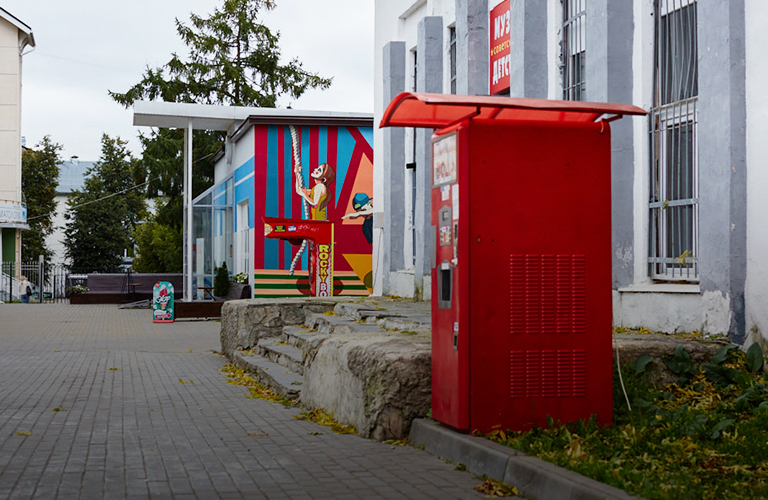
(297, 336)
(353, 310)
(282, 353)
(323, 324)
(275, 376)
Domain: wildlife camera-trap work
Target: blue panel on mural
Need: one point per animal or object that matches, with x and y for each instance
(244, 190)
(367, 134)
(272, 203)
(305, 154)
(346, 145)
(322, 146)
(244, 170)
(287, 173)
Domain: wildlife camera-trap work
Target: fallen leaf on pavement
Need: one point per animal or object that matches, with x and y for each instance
(494, 488)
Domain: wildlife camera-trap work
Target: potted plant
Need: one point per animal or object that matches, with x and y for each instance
(239, 288)
(75, 294)
(221, 282)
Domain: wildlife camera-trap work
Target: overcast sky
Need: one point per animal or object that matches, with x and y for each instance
(86, 47)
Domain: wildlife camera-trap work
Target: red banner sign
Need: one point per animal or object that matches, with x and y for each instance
(324, 271)
(499, 38)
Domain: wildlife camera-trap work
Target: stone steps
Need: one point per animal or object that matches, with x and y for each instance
(282, 353)
(275, 376)
(297, 336)
(278, 360)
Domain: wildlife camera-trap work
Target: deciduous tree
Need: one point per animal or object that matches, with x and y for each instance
(103, 216)
(39, 179)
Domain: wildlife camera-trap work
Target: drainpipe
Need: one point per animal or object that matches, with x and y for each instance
(188, 203)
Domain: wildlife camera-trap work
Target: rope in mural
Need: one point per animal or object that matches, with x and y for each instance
(304, 204)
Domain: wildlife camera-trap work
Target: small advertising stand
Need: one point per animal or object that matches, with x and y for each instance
(521, 272)
(162, 302)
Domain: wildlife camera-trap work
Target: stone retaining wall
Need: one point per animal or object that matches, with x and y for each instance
(378, 378)
(377, 383)
(244, 322)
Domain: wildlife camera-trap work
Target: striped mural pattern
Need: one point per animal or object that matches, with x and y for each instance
(274, 196)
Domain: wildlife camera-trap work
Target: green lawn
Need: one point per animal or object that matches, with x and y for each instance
(705, 437)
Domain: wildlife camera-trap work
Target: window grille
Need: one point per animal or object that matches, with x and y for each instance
(573, 51)
(674, 190)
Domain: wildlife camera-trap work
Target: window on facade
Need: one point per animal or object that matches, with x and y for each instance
(574, 49)
(674, 160)
(452, 53)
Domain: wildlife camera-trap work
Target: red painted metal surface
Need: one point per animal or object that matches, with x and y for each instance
(521, 283)
(527, 333)
(540, 274)
(319, 233)
(412, 109)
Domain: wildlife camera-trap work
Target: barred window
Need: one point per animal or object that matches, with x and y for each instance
(573, 49)
(674, 189)
(452, 53)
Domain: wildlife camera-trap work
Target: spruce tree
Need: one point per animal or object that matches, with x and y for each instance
(233, 59)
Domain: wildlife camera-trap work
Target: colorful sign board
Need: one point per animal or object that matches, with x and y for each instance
(162, 302)
(325, 270)
(499, 47)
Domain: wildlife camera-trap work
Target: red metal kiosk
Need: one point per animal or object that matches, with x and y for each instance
(319, 233)
(521, 278)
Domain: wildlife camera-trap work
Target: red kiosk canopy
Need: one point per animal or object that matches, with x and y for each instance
(413, 109)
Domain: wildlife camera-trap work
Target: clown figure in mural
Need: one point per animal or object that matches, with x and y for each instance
(363, 206)
(318, 196)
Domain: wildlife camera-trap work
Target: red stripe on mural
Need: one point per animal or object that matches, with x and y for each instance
(360, 142)
(280, 191)
(261, 144)
(331, 149)
(314, 142)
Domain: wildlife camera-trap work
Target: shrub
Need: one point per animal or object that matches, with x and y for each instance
(221, 281)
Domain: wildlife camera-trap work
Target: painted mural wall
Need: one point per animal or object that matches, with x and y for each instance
(329, 167)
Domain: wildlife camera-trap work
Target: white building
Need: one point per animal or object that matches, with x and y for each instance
(15, 37)
(71, 178)
(689, 240)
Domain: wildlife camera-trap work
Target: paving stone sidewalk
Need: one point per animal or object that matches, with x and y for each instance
(97, 402)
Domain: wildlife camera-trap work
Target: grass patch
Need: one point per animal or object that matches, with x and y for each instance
(705, 437)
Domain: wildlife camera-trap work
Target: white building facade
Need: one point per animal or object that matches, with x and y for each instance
(688, 230)
(15, 38)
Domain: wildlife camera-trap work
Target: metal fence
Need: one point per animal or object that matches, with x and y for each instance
(50, 282)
